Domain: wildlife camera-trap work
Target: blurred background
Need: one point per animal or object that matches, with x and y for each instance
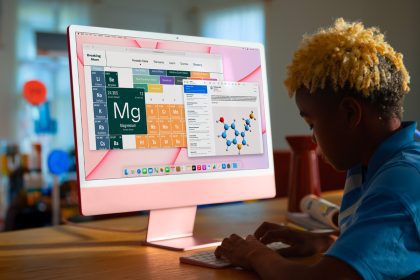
(34, 139)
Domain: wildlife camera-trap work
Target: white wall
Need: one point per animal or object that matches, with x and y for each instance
(8, 100)
(146, 15)
(156, 16)
(287, 21)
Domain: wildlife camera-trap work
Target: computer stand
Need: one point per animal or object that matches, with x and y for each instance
(172, 229)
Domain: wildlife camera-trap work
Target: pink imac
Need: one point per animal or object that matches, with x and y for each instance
(167, 122)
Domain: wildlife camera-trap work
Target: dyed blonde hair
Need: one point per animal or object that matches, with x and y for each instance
(348, 55)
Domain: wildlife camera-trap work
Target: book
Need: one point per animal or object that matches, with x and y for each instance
(317, 214)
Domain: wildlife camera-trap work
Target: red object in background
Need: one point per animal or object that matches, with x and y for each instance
(331, 179)
(304, 171)
(35, 92)
(282, 171)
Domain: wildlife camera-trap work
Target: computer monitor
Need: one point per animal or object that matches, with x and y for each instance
(166, 122)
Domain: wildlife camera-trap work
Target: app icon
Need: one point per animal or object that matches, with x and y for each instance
(204, 167)
(173, 168)
(198, 167)
(126, 172)
(132, 171)
(167, 169)
(138, 171)
(156, 170)
(223, 165)
(214, 166)
(161, 170)
(235, 165)
(150, 170)
(144, 171)
(193, 168)
(178, 168)
(228, 165)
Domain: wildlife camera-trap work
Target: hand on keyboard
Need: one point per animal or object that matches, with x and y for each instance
(208, 259)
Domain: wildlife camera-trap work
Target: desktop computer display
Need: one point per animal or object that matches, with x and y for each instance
(167, 122)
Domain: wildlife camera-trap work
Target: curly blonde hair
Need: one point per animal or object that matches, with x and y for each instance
(350, 56)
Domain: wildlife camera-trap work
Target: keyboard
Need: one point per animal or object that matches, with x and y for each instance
(208, 259)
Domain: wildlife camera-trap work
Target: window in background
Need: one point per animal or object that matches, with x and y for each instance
(246, 23)
(52, 70)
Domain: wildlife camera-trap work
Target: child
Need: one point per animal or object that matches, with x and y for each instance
(349, 86)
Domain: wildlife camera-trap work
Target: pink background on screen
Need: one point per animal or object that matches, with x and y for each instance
(238, 65)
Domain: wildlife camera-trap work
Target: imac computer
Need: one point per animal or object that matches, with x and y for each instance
(166, 122)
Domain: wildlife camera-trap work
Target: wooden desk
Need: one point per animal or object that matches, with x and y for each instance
(69, 252)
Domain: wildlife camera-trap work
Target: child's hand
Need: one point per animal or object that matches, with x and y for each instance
(302, 243)
(241, 252)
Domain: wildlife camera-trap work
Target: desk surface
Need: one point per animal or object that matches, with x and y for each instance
(68, 252)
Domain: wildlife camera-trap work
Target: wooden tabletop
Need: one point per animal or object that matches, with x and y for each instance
(70, 252)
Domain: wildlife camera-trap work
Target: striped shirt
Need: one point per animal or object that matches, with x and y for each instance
(380, 213)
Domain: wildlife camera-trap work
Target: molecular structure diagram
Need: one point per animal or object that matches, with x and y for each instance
(246, 128)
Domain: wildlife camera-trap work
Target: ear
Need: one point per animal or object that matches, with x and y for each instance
(351, 110)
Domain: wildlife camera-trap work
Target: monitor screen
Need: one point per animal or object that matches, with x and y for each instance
(167, 122)
(167, 107)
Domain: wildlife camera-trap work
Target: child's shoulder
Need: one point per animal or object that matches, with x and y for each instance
(401, 172)
(409, 155)
(399, 176)
(399, 180)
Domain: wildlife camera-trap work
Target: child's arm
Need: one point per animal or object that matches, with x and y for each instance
(302, 243)
(253, 255)
(276, 267)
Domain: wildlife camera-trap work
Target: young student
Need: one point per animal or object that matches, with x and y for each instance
(349, 86)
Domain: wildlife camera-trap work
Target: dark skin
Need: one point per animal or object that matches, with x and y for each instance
(360, 130)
